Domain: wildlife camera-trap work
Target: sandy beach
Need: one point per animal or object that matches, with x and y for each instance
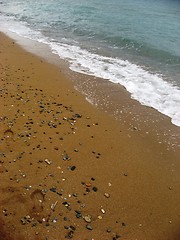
(68, 170)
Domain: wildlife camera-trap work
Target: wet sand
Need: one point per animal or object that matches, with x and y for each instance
(70, 171)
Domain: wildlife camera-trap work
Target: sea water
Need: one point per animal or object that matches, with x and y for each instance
(135, 43)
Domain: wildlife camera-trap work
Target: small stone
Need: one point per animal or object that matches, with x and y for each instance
(53, 189)
(89, 227)
(23, 221)
(78, 214)
(53, 206)
(77, 115)
(94, 189)
(66, 204)
(103, 211)
(73, 168)
(49, 162)
(88, 184)
(108, 230)
(87, 218)
(107, 195)
(100, 217)
(66, 157)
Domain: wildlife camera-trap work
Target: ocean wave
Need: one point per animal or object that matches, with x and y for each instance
(149, 89)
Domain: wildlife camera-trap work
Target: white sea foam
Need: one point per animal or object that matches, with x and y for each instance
(149, 89)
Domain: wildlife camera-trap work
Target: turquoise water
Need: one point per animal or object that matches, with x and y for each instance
(132, 42)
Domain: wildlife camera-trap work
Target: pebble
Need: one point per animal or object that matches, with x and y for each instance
(88, 184)
(103, 211)
(77, 115)
(78, 214)
(123, 224)
(89, 227)
(87, 218)
(53, 189)
(107, 195)
(94, 189)
(49, 162)
(73, 168)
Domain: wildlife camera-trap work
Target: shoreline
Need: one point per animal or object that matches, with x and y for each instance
(111, 98)
(43, 49)
(68, 167)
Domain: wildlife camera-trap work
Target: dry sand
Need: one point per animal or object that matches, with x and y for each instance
(68, 170)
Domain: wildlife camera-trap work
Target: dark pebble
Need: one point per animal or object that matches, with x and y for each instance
(94, 189)
(72, 228)
(73, 168)
(77, 115)
(87, 190)
(53, 189)
(66, 204)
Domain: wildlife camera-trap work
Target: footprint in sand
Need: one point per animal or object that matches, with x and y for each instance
(37, 197)
(8, 135)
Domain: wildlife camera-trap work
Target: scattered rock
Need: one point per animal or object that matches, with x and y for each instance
(107, 195)
(73, 168)
(103, 211)
(49, 162)
(94, 189)
(108, 230)
(87, 218)
(88, 184)
(78, 214)
(89, 227)
(123, 224)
